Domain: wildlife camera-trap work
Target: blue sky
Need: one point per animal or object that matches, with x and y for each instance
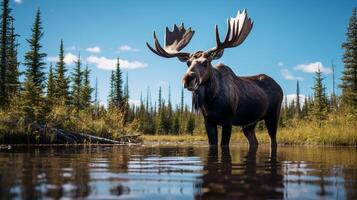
(289, 40)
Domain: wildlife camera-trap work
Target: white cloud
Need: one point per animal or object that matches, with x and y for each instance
(134, 102)
(94, 49)
(280, 64)
(127, 48)
(313, 67)
(69, 58)
(110, 64)
(18, 1)
(291, 97)
(288, 76)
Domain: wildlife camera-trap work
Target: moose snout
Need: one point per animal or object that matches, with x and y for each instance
(190, 81)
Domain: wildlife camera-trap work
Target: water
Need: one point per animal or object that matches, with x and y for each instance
(177, 172)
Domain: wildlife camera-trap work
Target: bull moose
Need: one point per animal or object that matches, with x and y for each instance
(223, 98)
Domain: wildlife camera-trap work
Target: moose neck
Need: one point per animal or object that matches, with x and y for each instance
(206, 92)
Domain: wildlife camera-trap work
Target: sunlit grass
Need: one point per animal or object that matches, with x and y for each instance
(336, 131)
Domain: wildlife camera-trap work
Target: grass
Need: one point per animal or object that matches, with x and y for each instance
(335, 132)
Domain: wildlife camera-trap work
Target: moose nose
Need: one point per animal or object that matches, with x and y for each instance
(187, 79)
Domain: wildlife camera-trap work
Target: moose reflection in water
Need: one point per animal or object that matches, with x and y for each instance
(224, 98)
(186, 172)
(227, 180)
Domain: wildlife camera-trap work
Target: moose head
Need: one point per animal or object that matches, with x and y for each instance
(199, 63)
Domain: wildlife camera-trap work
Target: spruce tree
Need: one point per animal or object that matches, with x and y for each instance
(190, 126)
(319, 106)
(298, 108)
(35, 77)
(51, 86)
(159, 101)
(182, 100)
(77, 79)
(62, 81)
(86, 89)
(349, 74)
(12, 74)
(5, 17)
(111, 91)
(118, 89)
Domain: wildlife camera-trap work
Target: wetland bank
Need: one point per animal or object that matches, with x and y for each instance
(85, 90)
(177, 172)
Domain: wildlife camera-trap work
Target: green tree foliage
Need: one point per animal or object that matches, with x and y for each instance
(349, 77)
(298, 106)
(86, 89)
(77, 79)
(190, 126)
(111, 91)
(51, 87)
(319, 106)
(3, 51)
(118, 87)
(12, 72)
(62, 81)
(35, 77)
(9, 72)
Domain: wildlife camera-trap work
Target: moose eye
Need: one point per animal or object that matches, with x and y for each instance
(205, 63)
(188, 63)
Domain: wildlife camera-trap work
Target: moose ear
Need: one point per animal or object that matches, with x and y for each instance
(217, 54)
(183, 58)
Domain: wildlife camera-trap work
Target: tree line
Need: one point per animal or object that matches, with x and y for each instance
(59, 97)
(319, 105)
(64, 98)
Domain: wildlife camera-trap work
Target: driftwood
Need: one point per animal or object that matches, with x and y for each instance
(58, 136)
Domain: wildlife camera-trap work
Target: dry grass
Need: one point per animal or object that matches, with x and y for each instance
(337, 131)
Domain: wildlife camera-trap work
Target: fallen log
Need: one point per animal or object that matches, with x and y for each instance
(58, 136)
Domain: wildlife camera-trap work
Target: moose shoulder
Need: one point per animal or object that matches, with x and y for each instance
(224, 98)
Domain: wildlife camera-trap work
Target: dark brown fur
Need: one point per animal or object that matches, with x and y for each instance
(226, 99)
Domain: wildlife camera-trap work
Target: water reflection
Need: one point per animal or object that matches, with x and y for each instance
(248, 178)
(173, 172)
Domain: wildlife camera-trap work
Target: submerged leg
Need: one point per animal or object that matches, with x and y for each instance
(211, 133)
(226, 133)
(249, 132)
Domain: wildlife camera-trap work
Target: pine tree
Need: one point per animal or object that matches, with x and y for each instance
(190, 126)
(3, 51)
(35, 77)
(12, 74)
(111, 91)
(77, 78)
(96, 90)
(319, 107)
(86, 89)
(349, 77)
(51, 86)
(305, 108)
(118, 89)
(126, 99)
(182, 100)
(62, 81)
(298, 108)
(159, 101)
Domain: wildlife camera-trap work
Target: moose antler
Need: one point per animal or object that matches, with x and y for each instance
(238, 29)
(175, 40)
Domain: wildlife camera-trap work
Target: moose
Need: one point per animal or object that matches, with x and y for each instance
(223, 98)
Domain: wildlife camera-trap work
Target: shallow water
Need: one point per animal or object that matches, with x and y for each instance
(178, 172)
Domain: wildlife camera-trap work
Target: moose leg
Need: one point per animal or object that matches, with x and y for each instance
(249, 132)
(211, 132)
(226, 133)
(272, 124)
